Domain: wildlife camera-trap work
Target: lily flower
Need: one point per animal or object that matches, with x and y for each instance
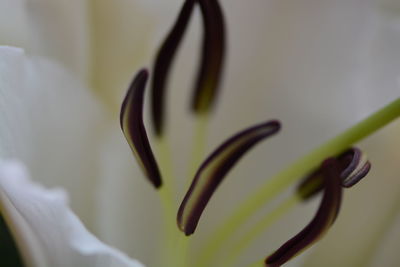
(67, 135)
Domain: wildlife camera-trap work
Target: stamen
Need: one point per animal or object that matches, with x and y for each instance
(131, 119)
(354, 166)
(213, 53)
(214, 169)
(324, 218)
(163, 62)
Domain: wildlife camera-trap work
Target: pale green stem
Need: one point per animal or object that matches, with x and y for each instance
(168, 208)
(258, 229)
(181, 250)
(166, 190)
(167, 200)
(299, 169)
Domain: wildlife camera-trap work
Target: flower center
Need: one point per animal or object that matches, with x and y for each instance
(342, 166)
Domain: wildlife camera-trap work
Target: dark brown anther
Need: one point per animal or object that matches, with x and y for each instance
(212, 58)
(163, 64)
(214, 169)
(356, 166)
(353, 166)
(131, 119)
(322, 221)
(210, 67)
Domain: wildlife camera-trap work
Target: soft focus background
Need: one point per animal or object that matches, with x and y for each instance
(318, 66)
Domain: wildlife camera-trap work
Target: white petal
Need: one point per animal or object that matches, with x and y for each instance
(55, 29)
(46, 230)
(50, 121)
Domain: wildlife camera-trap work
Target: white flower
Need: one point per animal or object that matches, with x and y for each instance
(319, 67)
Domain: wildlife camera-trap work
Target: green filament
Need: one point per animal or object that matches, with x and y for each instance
(167, 201)
(181, 250)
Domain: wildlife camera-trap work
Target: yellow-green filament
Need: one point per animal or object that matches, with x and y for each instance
(168, 208)
(167, 199)
(181, 250)
(298, 170)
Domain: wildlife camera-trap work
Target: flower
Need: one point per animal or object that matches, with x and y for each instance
(291, 64)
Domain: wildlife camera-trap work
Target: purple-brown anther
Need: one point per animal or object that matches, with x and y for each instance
(324, 218)
(212, 59)
(209, 69)
(163, 64)
(214, 169)
(357, 166)
(353, 166)
(131, 119)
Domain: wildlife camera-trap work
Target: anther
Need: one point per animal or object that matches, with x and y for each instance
(131, 119)
(212, 58)
(214, 169)
(353, 166)
(163, 62)
(357, 168)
